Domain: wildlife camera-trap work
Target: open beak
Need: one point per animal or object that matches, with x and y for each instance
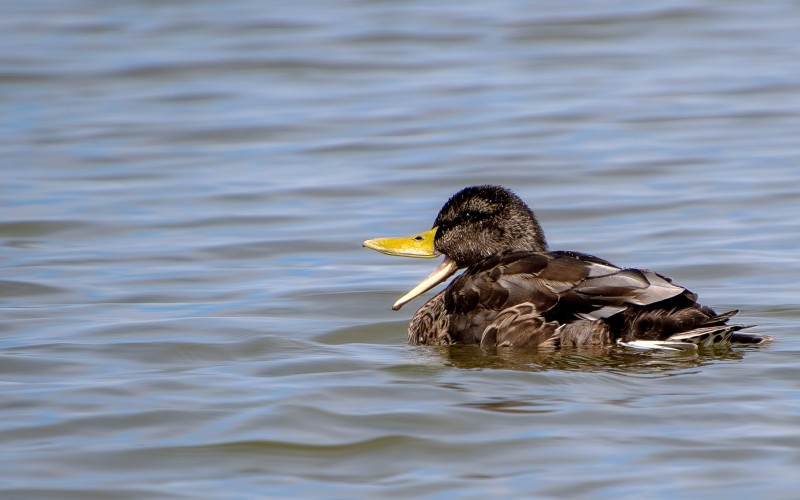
(419, 246)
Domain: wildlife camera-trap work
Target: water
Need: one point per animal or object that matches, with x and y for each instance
(187, 311)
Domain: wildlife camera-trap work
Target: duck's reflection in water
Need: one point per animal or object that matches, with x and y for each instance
(611, 359)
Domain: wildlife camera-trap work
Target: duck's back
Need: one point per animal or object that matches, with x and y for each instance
(529, 299)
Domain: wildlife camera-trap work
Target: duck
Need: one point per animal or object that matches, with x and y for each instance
(514, 291)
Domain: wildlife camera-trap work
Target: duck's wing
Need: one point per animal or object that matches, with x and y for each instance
(561, 286)
(591, 287)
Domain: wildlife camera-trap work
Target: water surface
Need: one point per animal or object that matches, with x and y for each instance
(187, 311)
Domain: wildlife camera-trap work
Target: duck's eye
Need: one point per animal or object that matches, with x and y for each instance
(468, 215)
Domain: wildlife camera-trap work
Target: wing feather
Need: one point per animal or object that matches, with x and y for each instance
(556, 284)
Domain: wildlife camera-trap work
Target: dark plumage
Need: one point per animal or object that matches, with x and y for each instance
(514, 292)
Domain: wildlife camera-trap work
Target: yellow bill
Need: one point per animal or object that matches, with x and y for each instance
(419, 246)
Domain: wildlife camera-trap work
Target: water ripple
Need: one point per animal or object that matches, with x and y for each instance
(188, 311)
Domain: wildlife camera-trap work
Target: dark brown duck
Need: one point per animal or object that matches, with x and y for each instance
(514, 292)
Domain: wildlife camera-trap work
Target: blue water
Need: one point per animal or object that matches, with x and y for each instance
(187, 311)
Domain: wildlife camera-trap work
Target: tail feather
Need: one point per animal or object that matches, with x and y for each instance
(707, 336)
(735, 336)
(749, 338)
(720, 319)
(661, 345)
(710, 333)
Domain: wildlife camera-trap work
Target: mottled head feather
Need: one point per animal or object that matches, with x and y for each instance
(481, 221)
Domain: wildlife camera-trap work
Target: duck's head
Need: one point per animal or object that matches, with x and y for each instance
(476, 223)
